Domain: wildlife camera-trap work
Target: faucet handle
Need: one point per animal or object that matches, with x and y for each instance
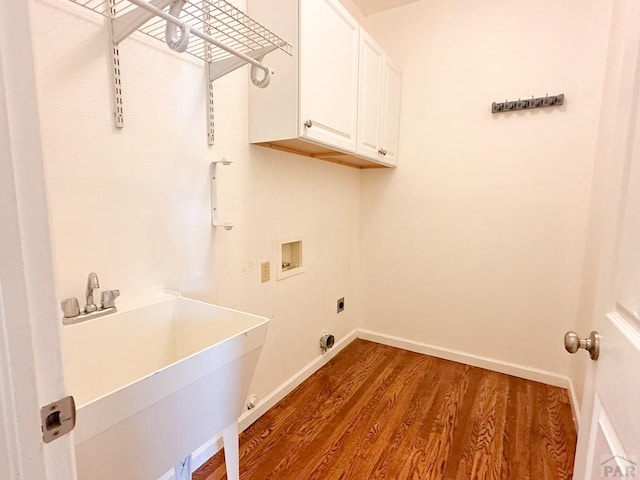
(108, 298)
(70, 307)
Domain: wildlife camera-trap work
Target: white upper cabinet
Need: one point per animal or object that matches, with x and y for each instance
(332, 100)
(378, 104)
(328, 74)
(370, 97)
(391, 91)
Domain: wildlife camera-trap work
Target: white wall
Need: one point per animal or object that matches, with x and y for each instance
(476, 241)
(133, 205)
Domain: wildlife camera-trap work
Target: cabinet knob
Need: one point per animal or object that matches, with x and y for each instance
(308, 124)
(382, 151)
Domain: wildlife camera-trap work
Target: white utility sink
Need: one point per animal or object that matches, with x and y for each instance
(155, 381)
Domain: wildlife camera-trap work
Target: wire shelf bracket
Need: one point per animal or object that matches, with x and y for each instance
(219, 34)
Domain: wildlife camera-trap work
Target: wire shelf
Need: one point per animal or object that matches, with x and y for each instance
(216, 18)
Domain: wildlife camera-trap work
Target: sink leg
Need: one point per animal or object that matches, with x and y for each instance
(182, 469)
(231, 451)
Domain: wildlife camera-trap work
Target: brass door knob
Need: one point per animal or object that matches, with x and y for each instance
(573, 343)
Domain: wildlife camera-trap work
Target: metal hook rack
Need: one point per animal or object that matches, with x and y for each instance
(540, 102)
(214, 31)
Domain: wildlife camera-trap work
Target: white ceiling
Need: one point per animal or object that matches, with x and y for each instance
(368, 7)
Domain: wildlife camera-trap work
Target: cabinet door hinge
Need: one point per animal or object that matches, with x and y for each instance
(58, 418)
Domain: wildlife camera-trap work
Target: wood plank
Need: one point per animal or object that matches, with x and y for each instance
(344, 441)
(391, 405)
(311, 430)
(391, 466)
(378, 412)
(518, 430)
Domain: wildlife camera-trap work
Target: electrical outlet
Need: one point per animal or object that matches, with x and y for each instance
(340, 304)
(265, 271)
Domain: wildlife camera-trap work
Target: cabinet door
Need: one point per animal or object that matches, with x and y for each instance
(392, 87)
(328, 74)
(370, 98)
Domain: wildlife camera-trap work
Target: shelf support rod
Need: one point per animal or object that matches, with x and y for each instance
(221, 67)
(183, 25)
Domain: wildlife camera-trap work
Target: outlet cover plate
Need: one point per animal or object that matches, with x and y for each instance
(265, 272)
(340, 305)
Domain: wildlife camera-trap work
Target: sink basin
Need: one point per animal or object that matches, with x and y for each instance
(155, 381)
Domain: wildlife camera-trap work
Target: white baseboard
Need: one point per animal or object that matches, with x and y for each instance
(292, 382)
(213, 446)
(517, 370)
(206, 451)
(575, 407)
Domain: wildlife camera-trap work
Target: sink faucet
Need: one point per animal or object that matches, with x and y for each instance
(92, 283)
(71, 306)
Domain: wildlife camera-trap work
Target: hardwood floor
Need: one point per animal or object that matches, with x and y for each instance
(378, 412)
